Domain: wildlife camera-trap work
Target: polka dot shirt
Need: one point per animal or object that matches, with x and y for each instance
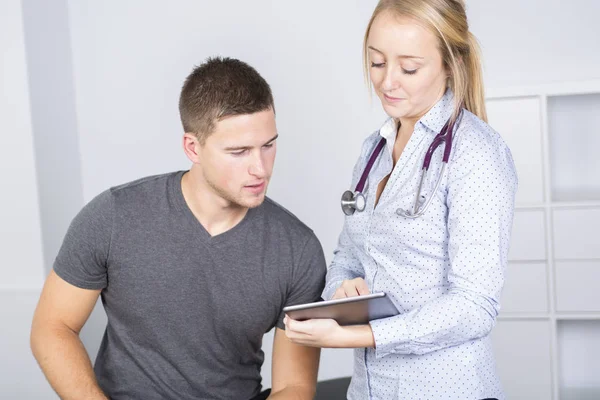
(444, 270)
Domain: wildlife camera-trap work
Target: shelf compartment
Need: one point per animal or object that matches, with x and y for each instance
(522, 349)
(576, 233)
(519, 123)
(577, 286)
(574, 135)
(579, 359)
(528, 238)
(525, 288)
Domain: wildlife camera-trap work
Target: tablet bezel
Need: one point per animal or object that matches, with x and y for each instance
(325, 303)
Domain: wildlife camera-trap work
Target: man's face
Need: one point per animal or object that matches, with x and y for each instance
(237, 159)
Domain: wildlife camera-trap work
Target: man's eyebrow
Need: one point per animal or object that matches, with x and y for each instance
(240, 148)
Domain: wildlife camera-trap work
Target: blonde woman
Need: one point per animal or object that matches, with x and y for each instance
(437, 246)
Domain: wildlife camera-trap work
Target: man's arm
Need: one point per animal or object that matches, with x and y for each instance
(294, 369)
(61, 312)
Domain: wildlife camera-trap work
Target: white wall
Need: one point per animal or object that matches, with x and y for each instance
(537, 41)
(20, 234)
(48, 51)
(128, 61)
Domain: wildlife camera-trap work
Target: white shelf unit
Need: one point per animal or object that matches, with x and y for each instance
(547, 338)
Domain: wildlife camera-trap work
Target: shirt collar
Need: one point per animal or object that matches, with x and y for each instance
(389, 130)
(434, 119)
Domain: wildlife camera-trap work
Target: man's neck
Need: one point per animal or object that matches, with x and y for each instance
(216, 214)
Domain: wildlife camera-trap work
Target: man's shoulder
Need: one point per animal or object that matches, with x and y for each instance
(143, 185)
(279, 215)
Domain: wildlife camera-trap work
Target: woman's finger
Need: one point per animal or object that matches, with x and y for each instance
(361, 287)
(304, 327)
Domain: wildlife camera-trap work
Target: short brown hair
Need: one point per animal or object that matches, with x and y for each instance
(220, 88)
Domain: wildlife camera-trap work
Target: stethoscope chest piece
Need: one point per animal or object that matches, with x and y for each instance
(352, 201)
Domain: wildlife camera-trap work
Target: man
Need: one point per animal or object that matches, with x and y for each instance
(193, 267)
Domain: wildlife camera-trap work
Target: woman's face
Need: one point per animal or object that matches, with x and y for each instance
(405, 66)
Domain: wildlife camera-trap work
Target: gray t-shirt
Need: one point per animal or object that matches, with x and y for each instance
(186, 311)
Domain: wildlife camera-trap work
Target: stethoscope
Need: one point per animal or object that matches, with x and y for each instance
(356, 201)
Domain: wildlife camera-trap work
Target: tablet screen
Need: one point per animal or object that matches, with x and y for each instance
(347, 311)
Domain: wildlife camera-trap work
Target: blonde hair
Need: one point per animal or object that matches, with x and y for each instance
(461, 55)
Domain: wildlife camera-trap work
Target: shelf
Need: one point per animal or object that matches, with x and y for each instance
(576, 204)
(547, 336)
(559, 316)
(514, 316)
(530, 207)
(580, 393)
(578, 316)
(590, 204)
(551, 89)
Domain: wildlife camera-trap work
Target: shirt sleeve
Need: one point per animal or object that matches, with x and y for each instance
(345, 264)
(308, 277)
(481, 191)
(82, 258)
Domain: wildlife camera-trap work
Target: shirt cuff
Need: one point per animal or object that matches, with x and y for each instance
(330, 289)
(390, 334)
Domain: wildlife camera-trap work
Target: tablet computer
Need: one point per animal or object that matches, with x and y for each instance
(356, 310)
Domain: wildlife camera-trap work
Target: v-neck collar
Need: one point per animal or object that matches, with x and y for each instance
(203, 234)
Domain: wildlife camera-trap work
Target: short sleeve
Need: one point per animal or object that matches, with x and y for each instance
(308, 277)
(83, 257)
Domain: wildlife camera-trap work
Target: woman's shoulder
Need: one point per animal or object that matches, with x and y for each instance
(477, 136)
(477, 146)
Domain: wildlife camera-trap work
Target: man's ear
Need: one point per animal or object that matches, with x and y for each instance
(191, 147)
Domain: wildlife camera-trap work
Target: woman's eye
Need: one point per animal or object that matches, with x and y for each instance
(377, 65)
(409, 71)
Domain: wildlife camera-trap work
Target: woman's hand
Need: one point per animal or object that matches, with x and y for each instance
(351, 288)
(327, 333)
